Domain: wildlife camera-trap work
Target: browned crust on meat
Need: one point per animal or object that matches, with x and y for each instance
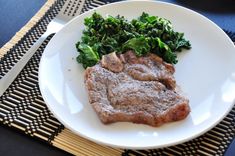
(112, 107)
(176, 113)
(158, 66)
(112, 62)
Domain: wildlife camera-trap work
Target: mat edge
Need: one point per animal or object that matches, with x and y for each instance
(19, 35)
(73, 145)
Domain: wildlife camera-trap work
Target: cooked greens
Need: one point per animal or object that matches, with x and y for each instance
(143, 35)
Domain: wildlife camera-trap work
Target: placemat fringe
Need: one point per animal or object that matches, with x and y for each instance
(76, 143)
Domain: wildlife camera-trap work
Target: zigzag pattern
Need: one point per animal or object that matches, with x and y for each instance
(22, 105)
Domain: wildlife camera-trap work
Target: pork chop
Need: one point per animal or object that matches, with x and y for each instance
(135, 89)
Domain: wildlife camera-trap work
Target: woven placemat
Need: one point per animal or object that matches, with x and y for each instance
(22, 106)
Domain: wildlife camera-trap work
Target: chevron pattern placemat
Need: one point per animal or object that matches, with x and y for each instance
(22, 106)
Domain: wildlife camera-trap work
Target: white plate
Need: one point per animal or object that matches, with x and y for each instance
(206, 73)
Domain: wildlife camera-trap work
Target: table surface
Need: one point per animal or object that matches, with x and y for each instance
(15, 14)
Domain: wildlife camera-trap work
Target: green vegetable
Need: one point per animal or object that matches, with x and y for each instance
(142, 35)
(139, 45)
(88, 57)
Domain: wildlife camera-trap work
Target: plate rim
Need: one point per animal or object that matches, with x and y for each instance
(171, 143)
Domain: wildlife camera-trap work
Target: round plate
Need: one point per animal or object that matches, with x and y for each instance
(205, 73)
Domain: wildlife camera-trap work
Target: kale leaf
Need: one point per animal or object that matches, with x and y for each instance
(139, 45)
(142, 35)
(88, 57)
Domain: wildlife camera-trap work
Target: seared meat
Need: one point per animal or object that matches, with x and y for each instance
(135, 89)
(112, 62)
